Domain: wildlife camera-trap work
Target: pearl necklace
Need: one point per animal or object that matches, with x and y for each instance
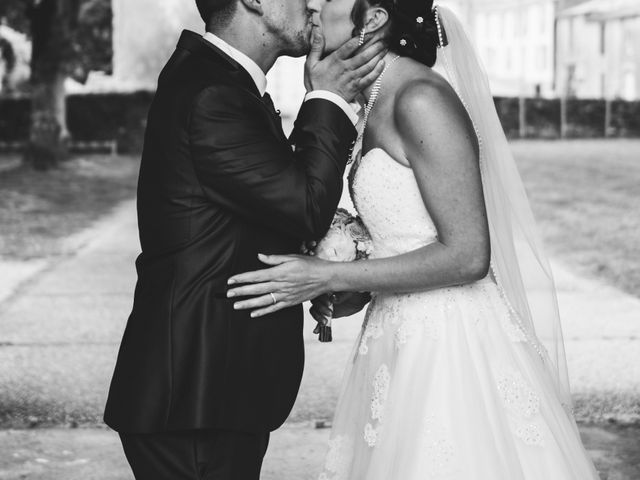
(375, 92)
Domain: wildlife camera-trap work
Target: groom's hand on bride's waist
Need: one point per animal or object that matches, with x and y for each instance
(345, 72)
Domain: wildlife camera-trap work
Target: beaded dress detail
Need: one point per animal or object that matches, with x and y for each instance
(442, 384)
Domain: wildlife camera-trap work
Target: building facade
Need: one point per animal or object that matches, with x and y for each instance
(529, 47)
(515, 40)
(598, 50)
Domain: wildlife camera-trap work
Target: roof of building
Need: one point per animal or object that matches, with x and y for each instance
(599, 10)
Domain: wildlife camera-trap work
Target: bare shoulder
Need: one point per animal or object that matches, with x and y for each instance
(427, 98)
(430, 118)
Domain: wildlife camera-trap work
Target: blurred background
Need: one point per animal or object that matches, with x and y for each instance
(76, 80)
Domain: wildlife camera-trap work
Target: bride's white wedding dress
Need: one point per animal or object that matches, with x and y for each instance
(442, 384)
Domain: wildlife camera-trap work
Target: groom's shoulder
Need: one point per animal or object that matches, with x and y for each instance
(196, 63)
(196, 85)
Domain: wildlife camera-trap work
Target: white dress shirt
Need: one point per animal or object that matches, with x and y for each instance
(260, 79)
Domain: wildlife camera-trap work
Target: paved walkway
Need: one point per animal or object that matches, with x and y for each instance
(9, 162)
(60, 324)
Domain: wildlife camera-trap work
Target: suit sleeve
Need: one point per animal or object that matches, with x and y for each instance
(243, 165)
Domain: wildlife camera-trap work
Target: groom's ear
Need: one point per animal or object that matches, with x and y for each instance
(255, 6)
(375, 19)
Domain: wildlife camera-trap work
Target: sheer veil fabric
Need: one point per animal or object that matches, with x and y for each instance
(467, 381)
(518, 262)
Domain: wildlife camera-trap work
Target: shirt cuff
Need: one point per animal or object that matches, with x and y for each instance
(350, 109)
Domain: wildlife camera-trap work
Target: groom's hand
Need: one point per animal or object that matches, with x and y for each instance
(347, 71)
(338, 305)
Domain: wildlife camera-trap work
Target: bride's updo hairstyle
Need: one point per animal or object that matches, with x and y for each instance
(412, 30)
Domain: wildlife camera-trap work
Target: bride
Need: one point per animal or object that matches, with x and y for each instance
(459, 370)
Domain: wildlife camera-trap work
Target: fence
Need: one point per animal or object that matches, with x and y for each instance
(121, 118)
(571, 118)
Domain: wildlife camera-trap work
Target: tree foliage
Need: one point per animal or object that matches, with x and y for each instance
(90, 43)
(13, 13)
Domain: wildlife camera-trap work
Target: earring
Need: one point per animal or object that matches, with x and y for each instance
(439, 28)
(361, 42)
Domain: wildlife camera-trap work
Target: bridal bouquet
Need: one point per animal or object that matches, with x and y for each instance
(346, 241)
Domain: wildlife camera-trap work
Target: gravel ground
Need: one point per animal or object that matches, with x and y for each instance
(296, 452)
(59, 336)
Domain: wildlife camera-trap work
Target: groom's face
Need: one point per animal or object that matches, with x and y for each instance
(291, 22)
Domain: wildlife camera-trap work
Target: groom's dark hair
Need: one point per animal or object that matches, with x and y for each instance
(217, 13)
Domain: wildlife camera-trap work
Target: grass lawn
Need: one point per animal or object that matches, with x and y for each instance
(586, 197)
(38, 209)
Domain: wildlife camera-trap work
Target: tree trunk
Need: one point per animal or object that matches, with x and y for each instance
(52, 23)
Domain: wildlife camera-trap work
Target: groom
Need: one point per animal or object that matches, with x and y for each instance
(198, 386)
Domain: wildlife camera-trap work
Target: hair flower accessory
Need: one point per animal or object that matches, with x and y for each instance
(403, 42)
(420, 20)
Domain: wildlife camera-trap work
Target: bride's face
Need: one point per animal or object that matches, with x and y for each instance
(336, 23)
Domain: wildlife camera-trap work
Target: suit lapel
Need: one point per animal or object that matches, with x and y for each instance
(196, 45)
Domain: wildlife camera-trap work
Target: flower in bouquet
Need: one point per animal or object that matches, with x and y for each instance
(361, 237)
(347, 240)
(337, 245)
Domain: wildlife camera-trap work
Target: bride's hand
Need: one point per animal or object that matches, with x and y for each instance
(292, 280)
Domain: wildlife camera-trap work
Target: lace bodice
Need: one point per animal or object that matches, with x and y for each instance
(387, 198)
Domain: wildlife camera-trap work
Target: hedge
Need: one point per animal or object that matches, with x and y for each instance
(94, 117)
(122, 117)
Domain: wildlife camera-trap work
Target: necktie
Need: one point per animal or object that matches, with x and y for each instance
(269, 103)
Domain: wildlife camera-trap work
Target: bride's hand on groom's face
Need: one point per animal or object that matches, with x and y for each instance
(347, 71)
(291, 280)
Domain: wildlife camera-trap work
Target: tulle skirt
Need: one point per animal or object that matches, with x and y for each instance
(444, 385)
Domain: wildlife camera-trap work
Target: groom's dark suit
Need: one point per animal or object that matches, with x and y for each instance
(219, 183)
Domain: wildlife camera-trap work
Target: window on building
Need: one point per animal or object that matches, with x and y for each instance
(541, 58)
(482, 25)
(511, 24)
(570, 91)
(629, 86)
(544, 20)
(494, 25)
(571, 35)
(491, 57)
(534, 18)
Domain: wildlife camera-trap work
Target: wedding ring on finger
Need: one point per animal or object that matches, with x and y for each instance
(273, 297)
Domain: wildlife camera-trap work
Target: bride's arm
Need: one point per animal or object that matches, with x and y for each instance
(440, 144)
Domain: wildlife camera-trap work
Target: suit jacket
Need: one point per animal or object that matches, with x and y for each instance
(219, 183)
